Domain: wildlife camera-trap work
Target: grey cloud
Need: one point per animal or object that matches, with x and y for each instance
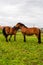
(26, 11)
(11, 2)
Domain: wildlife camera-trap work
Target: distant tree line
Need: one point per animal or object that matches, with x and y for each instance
(42, 30)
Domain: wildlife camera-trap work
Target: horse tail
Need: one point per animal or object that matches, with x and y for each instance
(39, 36)
(4, 33)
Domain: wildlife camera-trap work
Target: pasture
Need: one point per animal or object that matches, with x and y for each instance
(19, 52)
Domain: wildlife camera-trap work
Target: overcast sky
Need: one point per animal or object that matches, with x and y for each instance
(29, 12)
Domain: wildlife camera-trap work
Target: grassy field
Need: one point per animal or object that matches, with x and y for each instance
(19, 52)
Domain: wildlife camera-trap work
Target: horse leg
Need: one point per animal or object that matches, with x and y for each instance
(39, 41)
(14, 37)
(10, 37)
(6, 38)
(24, 38)
(39, 38)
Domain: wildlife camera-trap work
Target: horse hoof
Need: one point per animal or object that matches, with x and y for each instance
(6, 41)
(9, 39)
(24, 41)
(39, 42)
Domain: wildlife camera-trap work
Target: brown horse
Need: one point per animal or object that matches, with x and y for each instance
(29, 31)
(9, 31)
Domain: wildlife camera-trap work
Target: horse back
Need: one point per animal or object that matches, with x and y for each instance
(30, 31)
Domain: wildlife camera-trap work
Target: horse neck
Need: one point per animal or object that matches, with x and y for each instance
(21, 26)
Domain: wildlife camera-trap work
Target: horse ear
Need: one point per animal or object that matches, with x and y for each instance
(14, 26)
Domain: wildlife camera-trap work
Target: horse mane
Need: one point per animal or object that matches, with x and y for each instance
(22, 24)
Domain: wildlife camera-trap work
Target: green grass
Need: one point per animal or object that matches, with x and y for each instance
(19, 52)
